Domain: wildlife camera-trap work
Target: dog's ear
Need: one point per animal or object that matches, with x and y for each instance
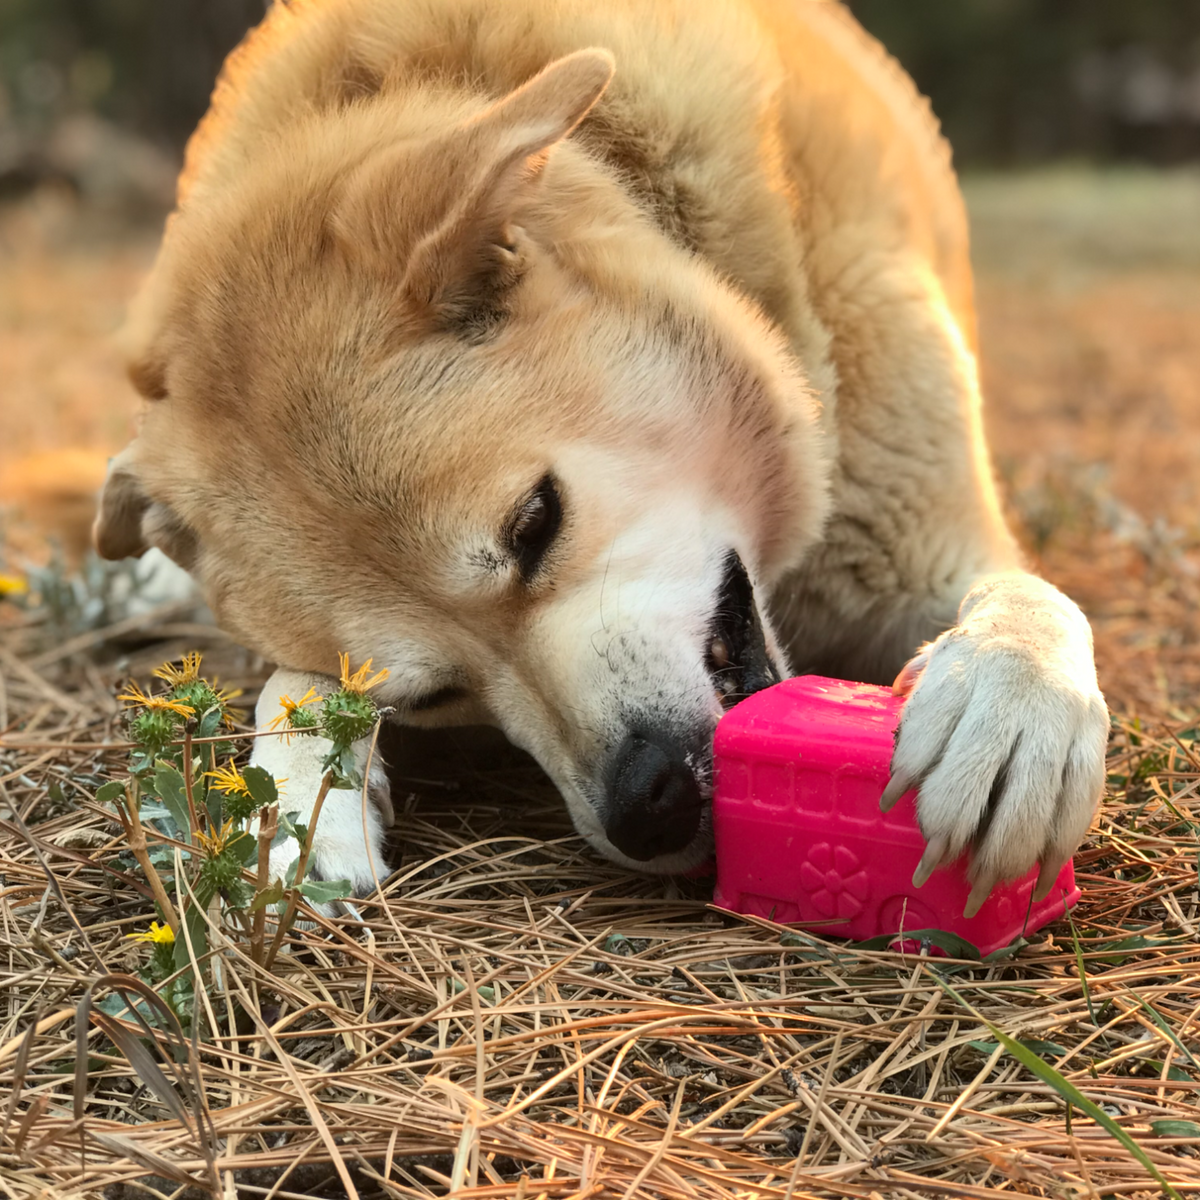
(149, 375)
(460, 266)
(117, 531)
(476, 175)
(129, 522)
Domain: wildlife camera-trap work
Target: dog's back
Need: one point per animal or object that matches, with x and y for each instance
(773, 137)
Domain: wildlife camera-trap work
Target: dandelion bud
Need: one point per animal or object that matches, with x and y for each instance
(239, 806)
(221, 872)
(348, 716)
(154, 730)
(303, 719)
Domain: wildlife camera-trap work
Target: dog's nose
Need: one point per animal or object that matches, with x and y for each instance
(655, 800)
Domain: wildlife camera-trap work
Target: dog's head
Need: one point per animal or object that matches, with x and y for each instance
(425, 386)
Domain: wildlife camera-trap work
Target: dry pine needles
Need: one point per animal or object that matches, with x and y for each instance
(513, 1018)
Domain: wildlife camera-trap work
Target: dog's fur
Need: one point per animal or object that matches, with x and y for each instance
(427, 251)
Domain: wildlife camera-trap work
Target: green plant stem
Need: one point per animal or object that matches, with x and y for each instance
(136, 836)
(268, 825)
(294, 896)
(187, 783)
(1083, 980)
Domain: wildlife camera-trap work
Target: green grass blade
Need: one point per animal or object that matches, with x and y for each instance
(1067, 1090)
(1083, 980)
(951, 943)
(1187, 1129)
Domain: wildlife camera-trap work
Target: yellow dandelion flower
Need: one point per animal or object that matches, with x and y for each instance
(291, 707)
(177, 676)
(358, 681)
(135, 696)
(12, 585)
(229, 779)
(214, 843)
(231, 715)
(162, 935)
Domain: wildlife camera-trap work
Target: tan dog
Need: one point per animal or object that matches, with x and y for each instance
(587, 388)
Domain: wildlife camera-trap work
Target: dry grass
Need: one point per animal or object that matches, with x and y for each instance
(513, 1018)
(512, 1009)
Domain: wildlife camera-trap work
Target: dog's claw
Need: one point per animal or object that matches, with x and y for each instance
(979, 893)
(897, 786)
(1050, 869)
(930, 860)
(910, 673)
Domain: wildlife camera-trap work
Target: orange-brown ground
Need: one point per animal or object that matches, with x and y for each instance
(1089, 302)
(1090, 327)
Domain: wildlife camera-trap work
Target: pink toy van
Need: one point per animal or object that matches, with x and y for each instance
(799, 769)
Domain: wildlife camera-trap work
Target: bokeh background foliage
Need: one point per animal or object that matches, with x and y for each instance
(1019, 81)
(148, 64)
(1012, 80)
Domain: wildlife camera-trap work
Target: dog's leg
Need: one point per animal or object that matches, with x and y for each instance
(349, 835)
(1005, 730)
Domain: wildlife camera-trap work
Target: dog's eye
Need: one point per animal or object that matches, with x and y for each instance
(533, 527)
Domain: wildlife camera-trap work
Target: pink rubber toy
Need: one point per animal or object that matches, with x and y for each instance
(799, 769)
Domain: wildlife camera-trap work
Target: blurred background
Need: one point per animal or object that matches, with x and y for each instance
(1076, 129)
(1013, 81)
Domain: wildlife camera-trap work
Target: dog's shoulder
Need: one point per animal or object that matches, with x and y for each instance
(865, 148)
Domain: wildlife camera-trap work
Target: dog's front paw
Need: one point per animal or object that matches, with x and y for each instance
(1004, 735)
(348, 840)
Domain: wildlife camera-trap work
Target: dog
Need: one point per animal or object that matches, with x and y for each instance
(591, 367)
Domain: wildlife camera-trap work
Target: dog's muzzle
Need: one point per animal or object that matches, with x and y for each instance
(655, 797)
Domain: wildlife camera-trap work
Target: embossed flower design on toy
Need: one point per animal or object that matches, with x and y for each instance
(834, 880)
